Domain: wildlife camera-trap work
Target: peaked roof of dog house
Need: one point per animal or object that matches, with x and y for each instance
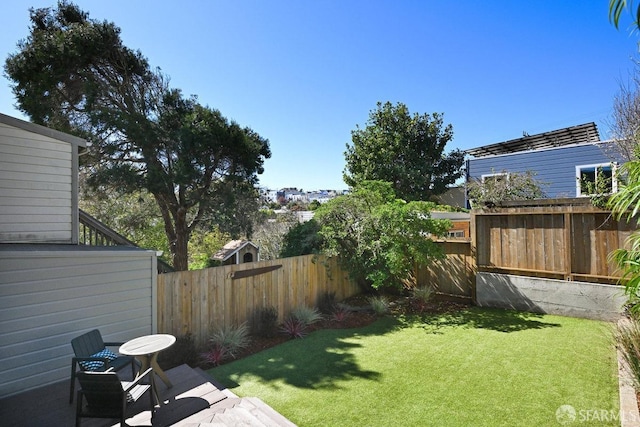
(580, 134)
(231, 248)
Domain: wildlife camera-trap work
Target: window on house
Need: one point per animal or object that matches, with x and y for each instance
(596, 179)
(455, 234)
(495, 177)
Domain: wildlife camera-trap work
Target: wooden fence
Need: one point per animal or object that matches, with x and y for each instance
(198, 301)
(569, 240)
(455, 275)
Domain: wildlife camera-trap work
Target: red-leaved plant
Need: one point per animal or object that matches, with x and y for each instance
(216, 355)
(340, 314)
(293, 328)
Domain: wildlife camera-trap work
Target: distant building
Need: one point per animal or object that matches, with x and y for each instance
(304, 216)
(321, 196)
(292, 194)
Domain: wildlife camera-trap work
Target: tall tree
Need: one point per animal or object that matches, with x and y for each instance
(75, 75)
(378, 238)
(405, 150)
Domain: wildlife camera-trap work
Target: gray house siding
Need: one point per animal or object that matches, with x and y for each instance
(555, 166)
(50, 294)
(38, 183)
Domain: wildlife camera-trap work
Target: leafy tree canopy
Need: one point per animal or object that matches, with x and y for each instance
(135, 215)
(75, 75)
(302, 239)
(377, 237)
(403, 149)
(270, 233)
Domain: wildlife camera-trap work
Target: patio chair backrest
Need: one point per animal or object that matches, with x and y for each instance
(87, 344)
(102, 390)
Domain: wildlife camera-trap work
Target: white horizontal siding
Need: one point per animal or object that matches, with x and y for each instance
(48, 297)
(36, 187)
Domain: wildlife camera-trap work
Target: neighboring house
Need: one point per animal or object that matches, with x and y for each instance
(460, 224)
(237, 252)
(292, 195)
(51, 288)
(565, 159)
(321, 196)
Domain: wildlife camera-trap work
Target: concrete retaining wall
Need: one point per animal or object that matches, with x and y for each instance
(539, 295)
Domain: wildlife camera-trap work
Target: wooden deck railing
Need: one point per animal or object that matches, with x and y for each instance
(95, 233)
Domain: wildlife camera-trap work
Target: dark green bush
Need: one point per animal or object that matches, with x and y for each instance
(183, 351)
(327, 303)
(264, 322)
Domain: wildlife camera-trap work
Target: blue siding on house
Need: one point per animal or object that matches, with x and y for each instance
(555, 166)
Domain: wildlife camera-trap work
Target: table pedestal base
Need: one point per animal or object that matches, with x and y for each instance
(152, 361)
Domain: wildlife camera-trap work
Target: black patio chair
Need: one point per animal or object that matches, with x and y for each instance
(92, 355)
(103, 395)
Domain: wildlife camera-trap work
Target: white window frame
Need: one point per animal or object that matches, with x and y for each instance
(491, 175)
(455, 234)
(614, 181)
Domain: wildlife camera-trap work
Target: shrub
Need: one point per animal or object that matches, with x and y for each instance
(183, 351)
(306, 315)
(264, 322)
(293, 328)
(340, 314)
(423, 294)
(327, 303)
(627, 337)
(379, 304)
(377, 238)
(232, 339)
(506, 186)
(216, 355)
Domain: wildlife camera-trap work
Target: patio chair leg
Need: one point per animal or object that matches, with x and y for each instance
(73, 382)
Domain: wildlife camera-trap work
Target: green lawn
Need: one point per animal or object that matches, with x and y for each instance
(479, 367)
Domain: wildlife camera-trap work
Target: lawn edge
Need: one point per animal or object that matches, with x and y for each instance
(629, 413)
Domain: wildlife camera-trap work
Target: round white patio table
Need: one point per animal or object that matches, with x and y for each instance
(146, 349)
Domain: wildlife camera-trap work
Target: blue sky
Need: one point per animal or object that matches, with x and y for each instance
(304, 73)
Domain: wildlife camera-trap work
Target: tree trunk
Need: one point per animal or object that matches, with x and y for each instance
(181, 244)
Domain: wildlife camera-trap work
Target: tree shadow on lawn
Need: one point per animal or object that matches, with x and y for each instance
(322, 360)
(499, 320)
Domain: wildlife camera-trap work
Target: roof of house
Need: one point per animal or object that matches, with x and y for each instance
(585, 133)
(230, 249)
(42, 130)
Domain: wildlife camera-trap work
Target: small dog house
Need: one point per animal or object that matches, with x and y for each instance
(237, 252)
